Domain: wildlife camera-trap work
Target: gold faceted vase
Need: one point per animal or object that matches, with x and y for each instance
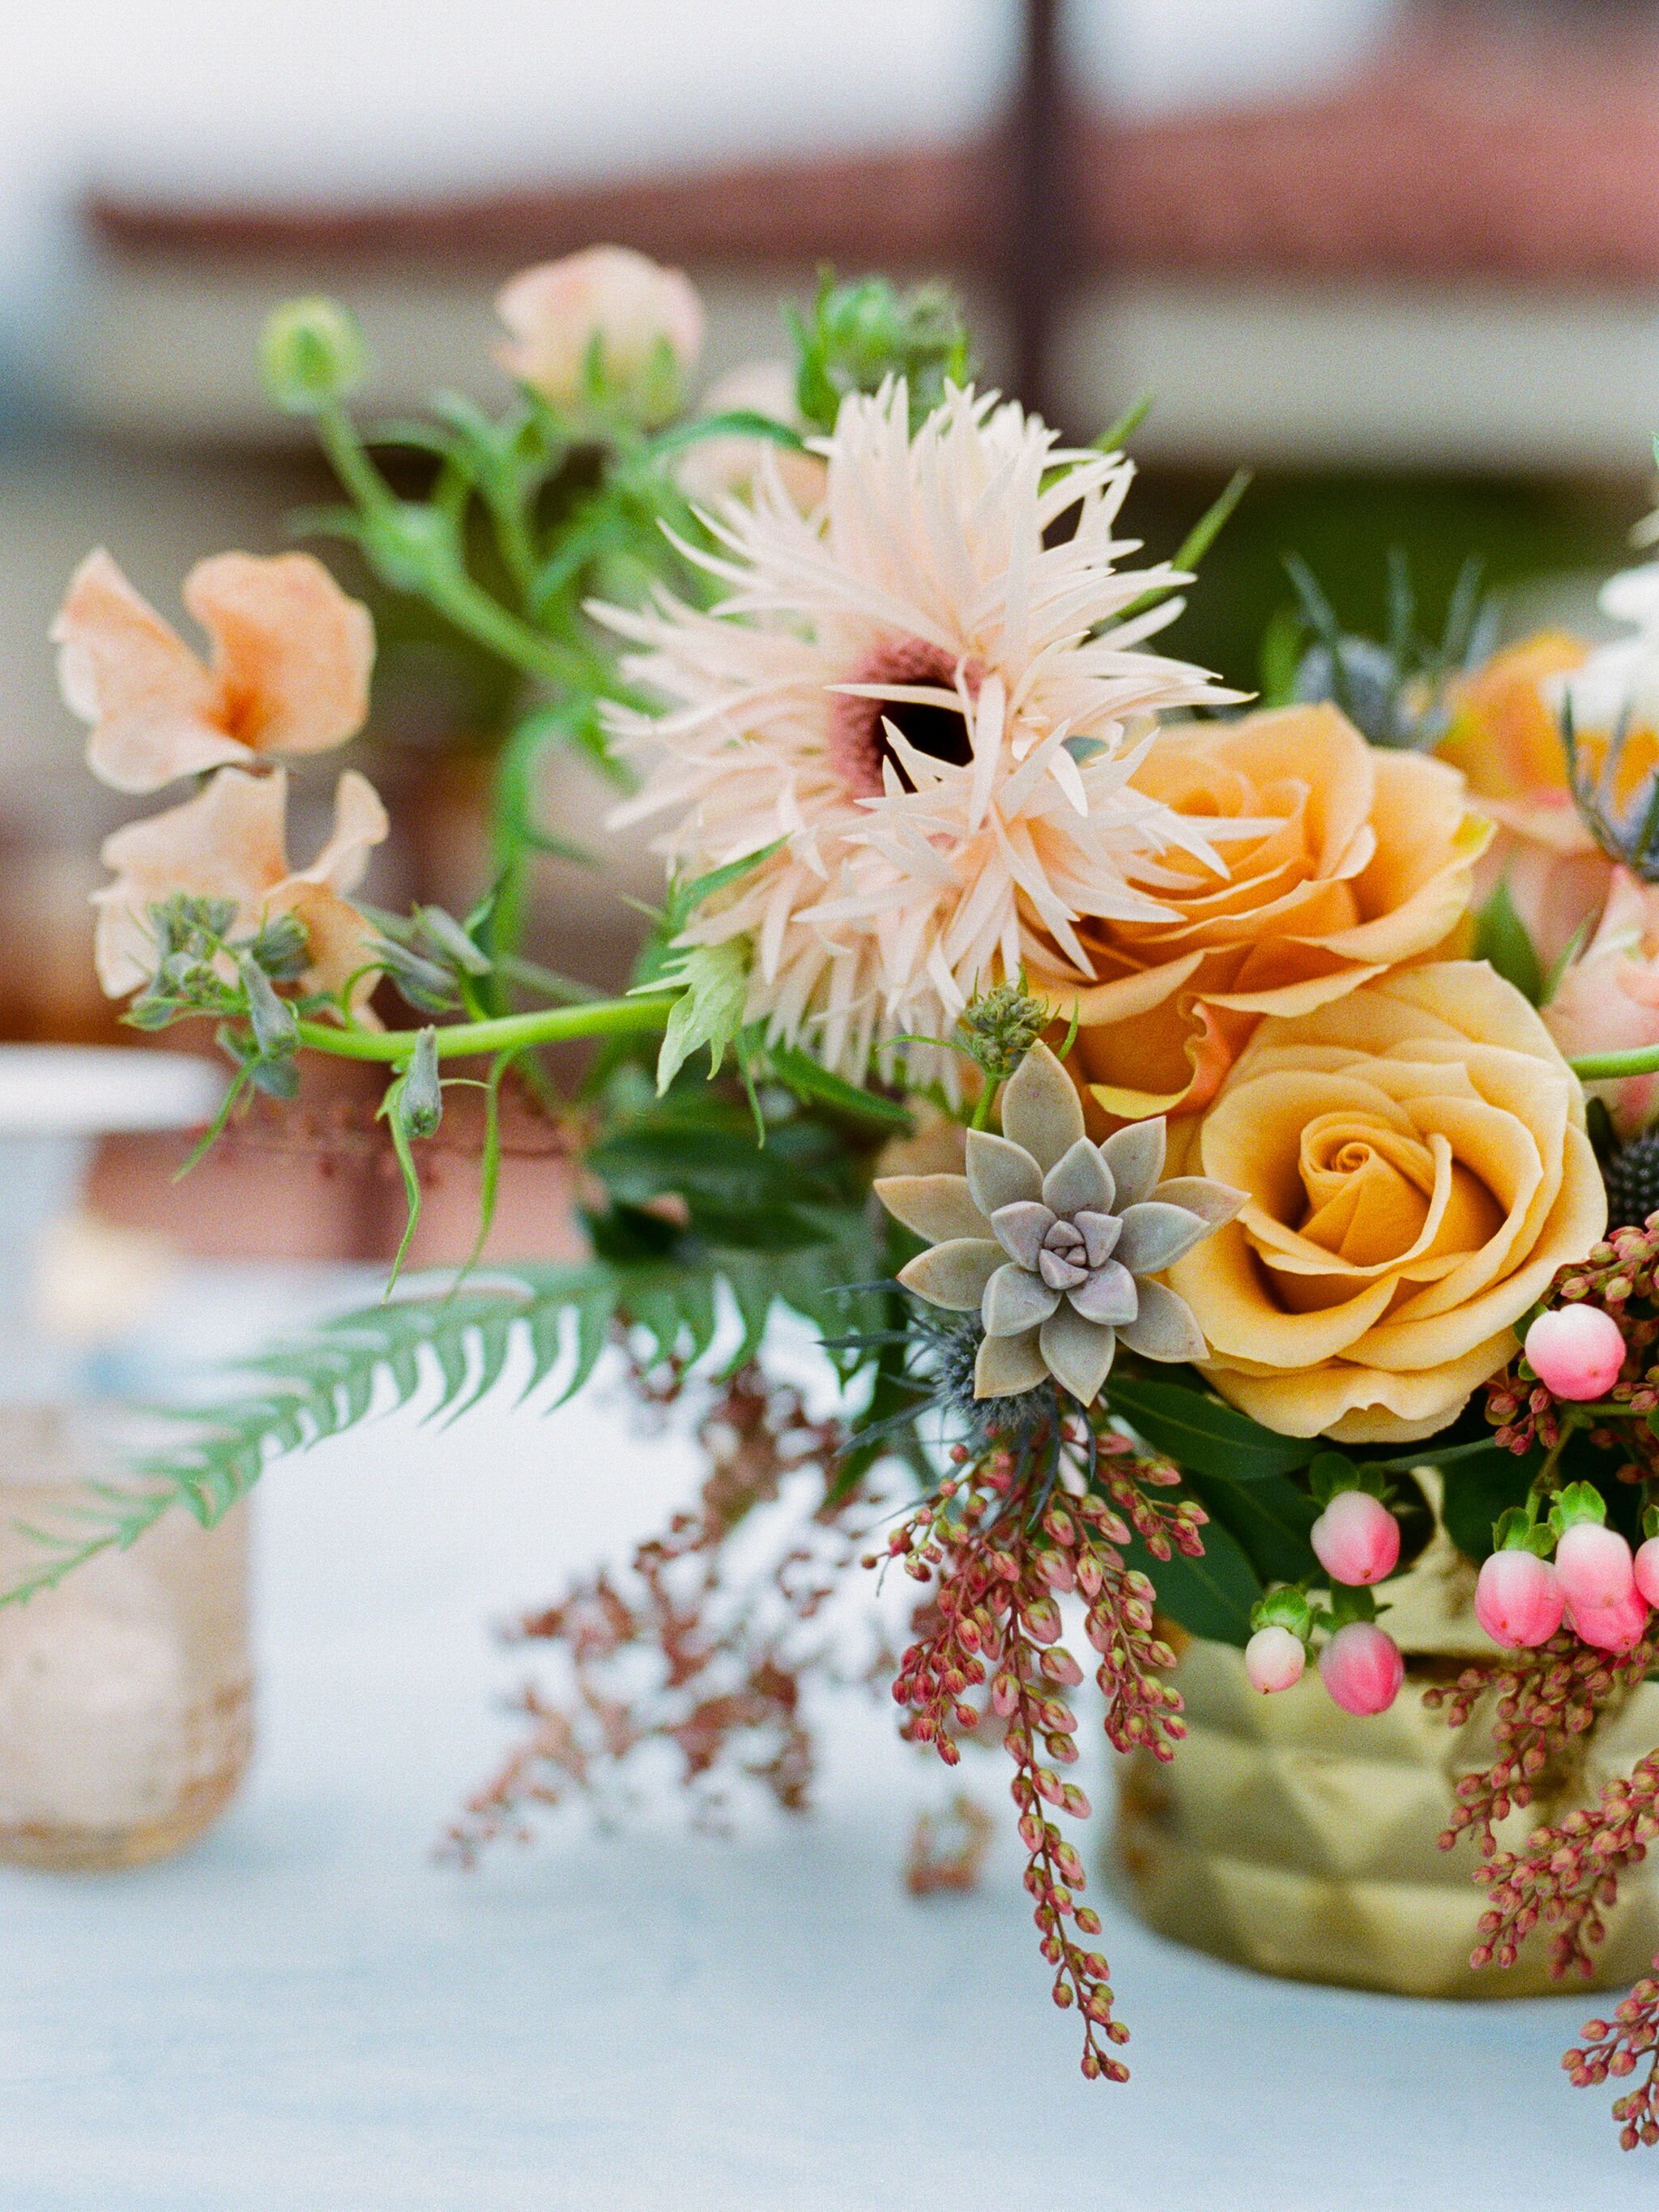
(1289, 1836)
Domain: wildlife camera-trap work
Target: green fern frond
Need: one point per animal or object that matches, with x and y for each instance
(456, 1348)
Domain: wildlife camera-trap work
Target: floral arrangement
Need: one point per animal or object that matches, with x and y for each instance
(1203, 1134)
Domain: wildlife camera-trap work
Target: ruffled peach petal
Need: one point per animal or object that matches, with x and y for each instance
(152, 705)
(291, 652)
(359, 824)
(226, 843)
(1221, 1282)
(338, 941)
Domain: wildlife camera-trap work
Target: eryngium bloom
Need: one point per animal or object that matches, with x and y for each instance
(933, 710)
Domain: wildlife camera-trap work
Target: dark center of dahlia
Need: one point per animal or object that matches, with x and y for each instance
(859, 746)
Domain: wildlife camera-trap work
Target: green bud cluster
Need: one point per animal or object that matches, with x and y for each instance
(201, 970)
(430, 957)
(860, 334)
(1000, 1026)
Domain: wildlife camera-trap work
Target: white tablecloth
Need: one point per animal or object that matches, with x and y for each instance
(306, 2014)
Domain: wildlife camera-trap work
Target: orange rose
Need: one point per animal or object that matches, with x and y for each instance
(1418, 1169)
(1366, 859)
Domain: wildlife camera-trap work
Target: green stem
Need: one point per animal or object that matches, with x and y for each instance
(448, 586)
(982, 1114)
(1609, 1066)
(509, 1033)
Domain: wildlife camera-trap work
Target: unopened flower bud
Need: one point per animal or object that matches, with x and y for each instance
(604, 322)
(1518, 1600)
(1596, 1570)
(1617, 1626)
(1274, 1659)
(1356, 1538)
(1362, 1669)
(1576, 1352)
(276, 1032)
(421, 1103)
(311, 353)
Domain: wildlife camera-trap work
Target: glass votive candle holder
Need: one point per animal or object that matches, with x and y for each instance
(126, 1692)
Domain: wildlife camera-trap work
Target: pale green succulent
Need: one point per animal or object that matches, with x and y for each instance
(1057, 1241)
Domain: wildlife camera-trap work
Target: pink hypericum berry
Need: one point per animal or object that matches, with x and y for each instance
(1646, 1568)
(1614, 1627)
(1518, 1600)
(1362, 1669)
(1576, 1352)
(1356, 1538)
(1594, 1567)
(1274, 1659)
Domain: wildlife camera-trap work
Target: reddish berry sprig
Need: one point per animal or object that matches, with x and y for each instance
(1617, 2047)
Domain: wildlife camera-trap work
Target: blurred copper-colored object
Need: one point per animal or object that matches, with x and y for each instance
(1288, 1836)
(318, 1181)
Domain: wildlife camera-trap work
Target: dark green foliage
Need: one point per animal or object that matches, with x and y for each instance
(1199, 1433)
(1268, 1519)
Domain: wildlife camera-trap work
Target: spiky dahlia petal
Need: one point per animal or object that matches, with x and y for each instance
(933, 706)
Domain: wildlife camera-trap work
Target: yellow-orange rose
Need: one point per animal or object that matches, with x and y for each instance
(1368, 860)
(1418, 1169)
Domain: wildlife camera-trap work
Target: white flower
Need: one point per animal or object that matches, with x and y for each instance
(1619, 682)
(929, 692)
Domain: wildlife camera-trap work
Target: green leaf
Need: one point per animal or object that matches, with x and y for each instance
(1211, 1596)
(1268, 1519)
(684, 898)
(1118, 433)
(1501, 937)
(1199, 1433)
(800, 1073)
(714, 981)
(1479, 1491)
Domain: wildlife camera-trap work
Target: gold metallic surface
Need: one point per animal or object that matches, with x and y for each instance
(1290, 1836)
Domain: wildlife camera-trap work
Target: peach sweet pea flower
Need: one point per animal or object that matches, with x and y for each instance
(1366, 859)
(1608, 999)
(1417, 1169)
(230, 842)
(288, 670)
(609, 293)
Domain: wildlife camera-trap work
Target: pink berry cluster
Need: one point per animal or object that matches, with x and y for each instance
(1617, 2047)
(1357, 1540)
(1595, 1584)
(1597, 1343)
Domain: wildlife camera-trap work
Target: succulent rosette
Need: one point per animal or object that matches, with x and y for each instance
(1057, 1243)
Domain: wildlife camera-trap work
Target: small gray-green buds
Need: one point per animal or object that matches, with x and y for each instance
(311, 353)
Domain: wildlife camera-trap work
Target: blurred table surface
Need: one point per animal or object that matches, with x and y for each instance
(308, 2012)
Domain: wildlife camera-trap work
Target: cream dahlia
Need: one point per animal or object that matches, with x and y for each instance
(928, 695)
